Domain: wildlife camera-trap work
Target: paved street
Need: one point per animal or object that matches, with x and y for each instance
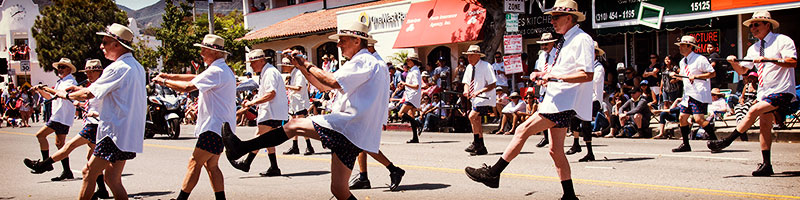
(628, 169)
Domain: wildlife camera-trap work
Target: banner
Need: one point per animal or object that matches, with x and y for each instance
(512, 44)
(512, 63)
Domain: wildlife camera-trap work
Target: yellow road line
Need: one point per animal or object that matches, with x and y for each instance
(534, 177)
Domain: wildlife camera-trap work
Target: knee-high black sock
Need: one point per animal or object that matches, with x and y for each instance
(685, 131)
(575, 143)
(569, 191)
(589, 148)
(547, 135)
(732, 137)
(273, 161)
(710, 131)
(363, 176)
(219, 195)
(294, 144)
(101, 184)
(765, 155)
(250, 157)
(392, 168)
(183, 195)
(351, 197)
(308, 144)
(498, 167)
(475, 138)
(65, 165)
(272, 138)
(479, 141)
(45, 154)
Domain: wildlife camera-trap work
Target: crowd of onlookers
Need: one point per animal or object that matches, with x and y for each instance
(21, 106)
(19, 52)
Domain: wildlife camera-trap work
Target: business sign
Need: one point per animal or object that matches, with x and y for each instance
(704, 38)
(512, 44)
(512, 64)
(514, 6)
(387, 20)
(512, 22)
(608, 11)
(534, 22)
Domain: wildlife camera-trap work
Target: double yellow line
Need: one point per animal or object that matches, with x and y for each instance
(533, 177)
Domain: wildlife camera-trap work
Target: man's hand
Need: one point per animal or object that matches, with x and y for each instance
(759, 59)
(244, 103)
(732, 60)
(73, 88)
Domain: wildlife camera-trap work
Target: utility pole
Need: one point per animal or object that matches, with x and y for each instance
(210, 16)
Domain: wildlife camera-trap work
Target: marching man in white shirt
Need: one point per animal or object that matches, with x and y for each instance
(359, 109)
(775, 83)
(216, 105)
(62, 118)
(569, 97)
(696, 91)
(545, 61)
(298, 105)
(585, 128)
(273, 108)
(479, 86)
(122, 108)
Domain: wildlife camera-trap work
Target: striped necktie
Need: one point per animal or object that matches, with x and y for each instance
(761, 65)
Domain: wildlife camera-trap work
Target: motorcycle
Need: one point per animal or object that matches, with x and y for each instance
(164, 113)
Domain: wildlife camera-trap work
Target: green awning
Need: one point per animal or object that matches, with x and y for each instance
(670, 26)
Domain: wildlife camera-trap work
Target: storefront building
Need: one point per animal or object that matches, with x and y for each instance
(384, 23)
(17, 46)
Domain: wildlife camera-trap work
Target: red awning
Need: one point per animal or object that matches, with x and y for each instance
(440, 22)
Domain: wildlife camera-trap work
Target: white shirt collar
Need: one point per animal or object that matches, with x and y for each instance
(124, 56)
(219, 61)
(362, 51)
(572, 31)
(770, 37)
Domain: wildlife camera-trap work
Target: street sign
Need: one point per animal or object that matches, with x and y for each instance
(512, 22)
(24, 65)
(514, 6)
(512, 63)
(512, 44)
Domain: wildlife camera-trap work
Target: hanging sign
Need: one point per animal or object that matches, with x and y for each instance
(512, 64)
(512, 22)
(512, 44)
(514, 6)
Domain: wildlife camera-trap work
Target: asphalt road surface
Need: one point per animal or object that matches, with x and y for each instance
(626, 169)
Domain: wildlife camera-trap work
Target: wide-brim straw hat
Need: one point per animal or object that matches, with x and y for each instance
(474, 49)
(715, 91)
(568, 7)
(285, 62)
(597, 48)
(213, 42)
(514, 95)
(687, 39)
(546, 38)
(761, 16)
(93, 65)
(256, 54)
(371, 41)
(353, 29)
(413, 56)
(120, 33)
(67, 62)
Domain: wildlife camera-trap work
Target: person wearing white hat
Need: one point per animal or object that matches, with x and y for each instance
(87, 135)
(696, 91)
(545, 61)
(216, 106)
(120, 135)
(479, 86)
(585, 128)
(358, 111)
(567, 98)
(412, 95)
(775, 83)
(509, 113)
(63, 115)
(299, 103)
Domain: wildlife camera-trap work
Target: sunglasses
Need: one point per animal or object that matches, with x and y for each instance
(556, 17)
(756, 25)
(62, 67)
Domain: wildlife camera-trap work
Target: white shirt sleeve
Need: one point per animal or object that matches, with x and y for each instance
(350, 77)
(490, 79)
(111, 79)
(467, 75)
(787, 49)
(586, 54)
(206, 80)
(706, 66)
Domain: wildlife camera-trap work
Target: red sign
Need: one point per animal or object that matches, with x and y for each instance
(512, 64)
(704, 38)
(730, 4)
(440, 22)
(512, 44)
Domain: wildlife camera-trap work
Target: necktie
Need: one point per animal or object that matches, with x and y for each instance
(761, 65)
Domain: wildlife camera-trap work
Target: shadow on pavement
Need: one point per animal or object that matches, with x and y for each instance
(167, 138)
(439, 142)
(781, 175)
(420, 186)
(604, 159)
(728, 151)
(501, 153)
(148, 194)
(308, 173)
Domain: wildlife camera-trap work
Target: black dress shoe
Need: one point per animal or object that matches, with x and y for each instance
(481, 150)
(64, 176)
(241, 165)
(682, 148)
(358, 183)
(587, 158)
(574, 150)
(101, 194)
(763, 170)
(309, 151)
(717, 145)
(293, 150)
(569, 198)
(413, 141)
(482, 175)
(470, 148)
(395, 177)
(37, 167)
(231, 143)
(543, 143)
(272, 171)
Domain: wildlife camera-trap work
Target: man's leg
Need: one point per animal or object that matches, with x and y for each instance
(765, 138)
(586, 131)
(686, 129)
(477, 147)
(407, 112)
(114, 179)
(245, 165)
(196, 162)
(273, 169)
(575, 127)
(96, 166)
(216, 177)
(235, 148)
(44, 146)
(395, 173)
(759, 109)
(561, 162)
(67, 172)
(294, 149)
(706, 125)
(362, 182)
(339, 175)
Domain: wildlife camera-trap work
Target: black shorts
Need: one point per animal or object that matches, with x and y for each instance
(106, 149)
(89, 132)
(781, 100)
(482, 110)
(302, 112)
(60, 128)
(695, 107)
(345, 150)
(273, 123)
(316, 104)
(562, 119)
(211, 142)
(595, 108)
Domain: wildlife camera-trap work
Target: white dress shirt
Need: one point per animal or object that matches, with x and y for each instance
(771, 77)
(217, 101)
(700, 90)
(298, 99)
(360, 110)
(598, 81)
(501, 77)
(512, 107)
(122, 103)
(63, 111)
(576, 54)
(278, 107)
(545, 58)
(484, 76)
(414, 96)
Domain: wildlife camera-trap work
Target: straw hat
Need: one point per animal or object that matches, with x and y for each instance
(568, 7)
(413, 56)
(687, 39)
(762, 16)
(213, 42)
(354, 29)
(546, 38)
(254, 55)
(120, 33)
(371, 41)
(93, 65)
(598, 49)
(67, 62)
(514, 95)
(425, 74)
(285, 62)
(715, 91)
(474, 49)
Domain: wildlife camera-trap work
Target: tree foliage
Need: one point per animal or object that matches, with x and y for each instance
(66, 30)
(146, 56)
(230, 27)
(493, 27)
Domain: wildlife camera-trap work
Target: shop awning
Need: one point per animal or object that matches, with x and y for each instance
(666, 26)
(440, 22)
